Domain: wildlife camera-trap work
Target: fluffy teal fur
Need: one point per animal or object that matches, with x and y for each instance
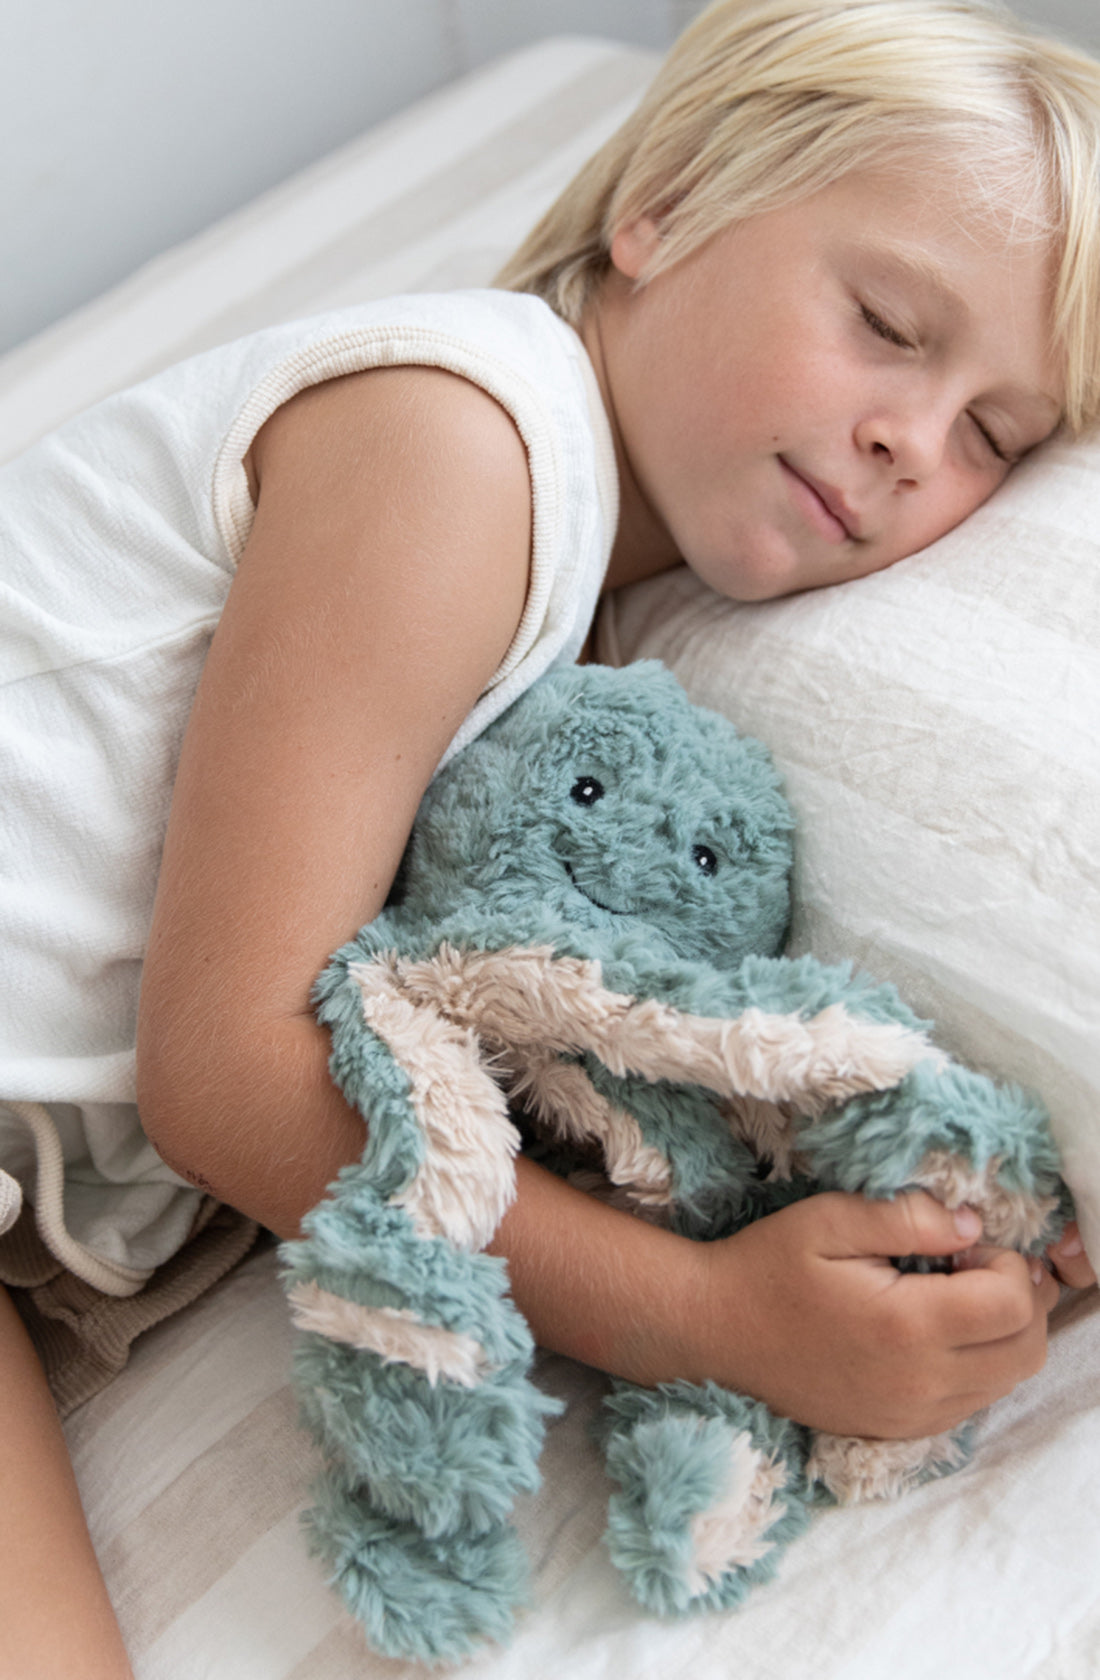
(502, 855)
(875, 1142)
(442, 1457)
(431, 1600)
(668, 1449)
(411, 1516)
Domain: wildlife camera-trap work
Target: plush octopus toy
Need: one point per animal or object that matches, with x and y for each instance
(580, 958)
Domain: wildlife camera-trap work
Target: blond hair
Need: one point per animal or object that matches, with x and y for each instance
(765, 101)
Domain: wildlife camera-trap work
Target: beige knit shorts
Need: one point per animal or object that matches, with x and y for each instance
(82, 1336)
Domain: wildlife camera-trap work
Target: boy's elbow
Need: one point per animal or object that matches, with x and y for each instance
(194, 1068)
(174, 1101)
(244, 1109)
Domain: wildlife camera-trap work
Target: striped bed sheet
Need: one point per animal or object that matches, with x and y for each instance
(190, 1464)
(194, 1474)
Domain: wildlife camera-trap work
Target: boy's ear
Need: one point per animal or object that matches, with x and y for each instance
(634, 245)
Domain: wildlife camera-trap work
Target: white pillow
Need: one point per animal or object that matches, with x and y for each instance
(938, 728)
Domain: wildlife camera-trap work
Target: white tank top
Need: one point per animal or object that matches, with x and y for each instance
(119, 535)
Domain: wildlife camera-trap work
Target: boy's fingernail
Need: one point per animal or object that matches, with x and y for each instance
(1069, 1247)
(1037, 1270)
(968, 1223)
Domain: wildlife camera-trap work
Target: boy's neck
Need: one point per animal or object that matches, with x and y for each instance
(642, 547)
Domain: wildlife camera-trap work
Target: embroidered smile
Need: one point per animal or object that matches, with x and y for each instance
(584, 894)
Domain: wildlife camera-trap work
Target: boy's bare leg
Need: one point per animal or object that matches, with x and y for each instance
(56, 1620)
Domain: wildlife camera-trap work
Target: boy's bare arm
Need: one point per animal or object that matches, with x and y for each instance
(381, 587)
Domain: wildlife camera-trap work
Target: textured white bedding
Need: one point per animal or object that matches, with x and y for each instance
(190, 1464)
(193, 1473)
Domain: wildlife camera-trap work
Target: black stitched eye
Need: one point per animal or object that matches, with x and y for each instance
(586, 791)
(705, 859)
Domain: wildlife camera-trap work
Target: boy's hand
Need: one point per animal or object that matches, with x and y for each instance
(830, 1333)
(1071, 1264)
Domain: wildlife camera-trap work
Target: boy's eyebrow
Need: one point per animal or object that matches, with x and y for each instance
(917, 263)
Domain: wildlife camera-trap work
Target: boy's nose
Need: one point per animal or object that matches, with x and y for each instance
(911, 445)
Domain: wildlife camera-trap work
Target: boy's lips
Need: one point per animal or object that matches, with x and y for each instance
(822, 504)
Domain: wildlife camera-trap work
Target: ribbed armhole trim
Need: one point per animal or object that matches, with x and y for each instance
(404, 346)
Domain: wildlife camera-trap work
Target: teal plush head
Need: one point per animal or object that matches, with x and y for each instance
(605, 801)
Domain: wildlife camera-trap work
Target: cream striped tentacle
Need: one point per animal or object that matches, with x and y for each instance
(732, 1533)
(527, 995)
(568, 1105)
(856, 1471)
(397, 1334)
(1010, 1218)
(769, 1130)
(466, 1179)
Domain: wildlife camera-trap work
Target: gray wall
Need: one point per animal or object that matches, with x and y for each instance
(126, 125)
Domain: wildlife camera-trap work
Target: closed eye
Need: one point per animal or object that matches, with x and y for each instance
(883, 329)
(990, 441)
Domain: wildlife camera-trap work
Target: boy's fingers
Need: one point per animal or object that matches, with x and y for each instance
(997, 1295)
(914, 1223)
(1070, 1261)
(985, 1257)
